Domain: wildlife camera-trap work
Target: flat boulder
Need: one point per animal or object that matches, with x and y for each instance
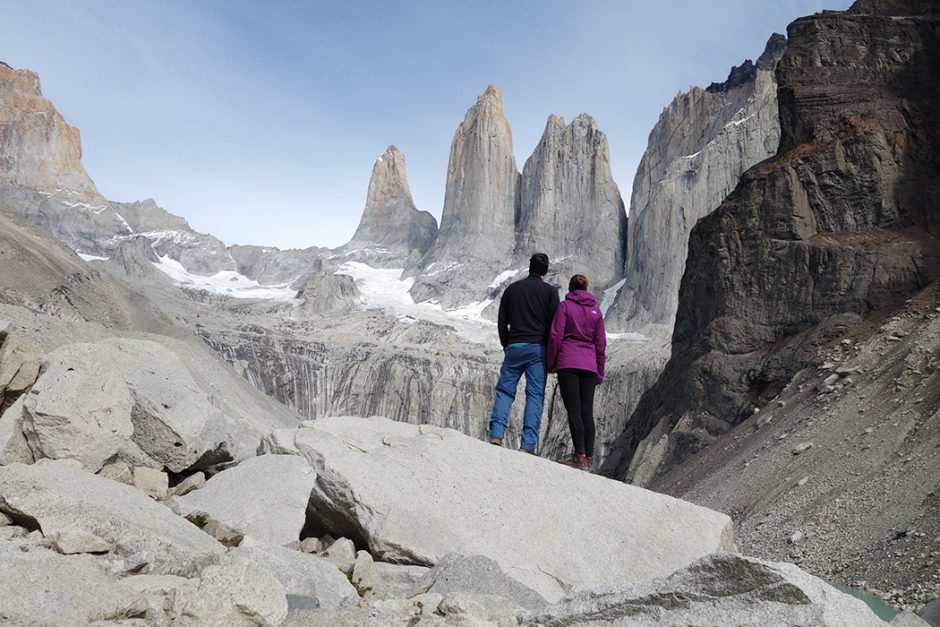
(123, 399)
(41, 587)
(301, 574)
(57, 497)
(725, 589)
(414, 493)
(265, 497)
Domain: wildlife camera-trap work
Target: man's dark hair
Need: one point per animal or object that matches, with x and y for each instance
(578, 282)
(538, 264)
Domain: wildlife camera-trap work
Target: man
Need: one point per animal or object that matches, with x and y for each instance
(526, 310)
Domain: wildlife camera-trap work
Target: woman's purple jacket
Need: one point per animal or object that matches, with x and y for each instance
(577, 338)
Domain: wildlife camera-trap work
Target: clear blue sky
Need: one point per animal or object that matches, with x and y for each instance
(260, 121)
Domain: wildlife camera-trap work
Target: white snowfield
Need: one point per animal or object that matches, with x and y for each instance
(385, 289)
(226, 282)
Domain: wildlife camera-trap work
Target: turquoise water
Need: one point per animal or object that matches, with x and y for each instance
(884, 611)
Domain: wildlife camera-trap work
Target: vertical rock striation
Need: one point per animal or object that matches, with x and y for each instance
(704, 140)
(843, 221)
(570, 206)
(391, 228)
(477, 231)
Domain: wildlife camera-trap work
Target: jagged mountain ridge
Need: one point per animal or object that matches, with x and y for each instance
(702, 143)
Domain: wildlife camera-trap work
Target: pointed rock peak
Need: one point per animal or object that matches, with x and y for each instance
(392, 153)
(773, 52)
(554, 123)
(585, 120)
(489, 102)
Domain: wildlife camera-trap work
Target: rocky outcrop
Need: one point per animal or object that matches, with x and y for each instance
(570, 206)
(478, 221)
(451, 498)
(867, 486)
(841, 222)
(716, 590)
(328, 291)
(52, 496)
(246, 500)
(391, 230)
(38, 149)
(704, 140)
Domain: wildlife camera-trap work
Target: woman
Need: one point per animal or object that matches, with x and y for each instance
(577, 345)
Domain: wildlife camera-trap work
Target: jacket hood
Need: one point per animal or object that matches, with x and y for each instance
(582, 297)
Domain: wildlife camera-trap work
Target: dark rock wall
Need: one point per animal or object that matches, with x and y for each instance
(843, 221)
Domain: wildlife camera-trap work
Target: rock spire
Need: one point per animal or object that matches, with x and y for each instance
(477, 231)
(570, 205)
(390, 221)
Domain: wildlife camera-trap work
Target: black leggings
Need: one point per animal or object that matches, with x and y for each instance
(577, 391)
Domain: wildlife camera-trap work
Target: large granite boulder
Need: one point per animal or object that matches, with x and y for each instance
(41, 587)
(263, 497)
(302, 574)
(415, 493)
(57, 496)
(716, 590)
(127, 399)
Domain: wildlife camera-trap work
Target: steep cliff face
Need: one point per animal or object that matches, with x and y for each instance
(704, 140)
(478, 220)
(391, 229)
(841, 224)
(570, 206)
(38, 149)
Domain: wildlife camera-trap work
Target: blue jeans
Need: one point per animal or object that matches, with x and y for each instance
(528, 358)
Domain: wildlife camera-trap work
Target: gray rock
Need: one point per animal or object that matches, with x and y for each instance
(450, 506)
(302, 574)
(931, 612)
(477, 232)
(154, 416)
(41, 587)
(192, 482)
(366, 577)
(570, 205)
(14, 448)
(118, 471)
(328, 291)
(265, 497)
(908, 619)
(704, 140)
(398, 580)
(311, 545)
(256, 594)
(479, 609)
(72, 541)
(227, 536)
(717, 590)
(55, 496)
(152, 482)
(20, 359)
(476, 575)
(391, 228)
(342, 549)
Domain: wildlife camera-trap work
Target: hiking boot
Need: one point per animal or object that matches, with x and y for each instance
(525, 450)
(573, 462)
(586, 463)
(496, 441)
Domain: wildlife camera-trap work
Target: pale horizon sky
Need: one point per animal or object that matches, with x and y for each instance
(260, 122)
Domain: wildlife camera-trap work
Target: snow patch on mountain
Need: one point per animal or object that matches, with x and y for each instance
(226, 283)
